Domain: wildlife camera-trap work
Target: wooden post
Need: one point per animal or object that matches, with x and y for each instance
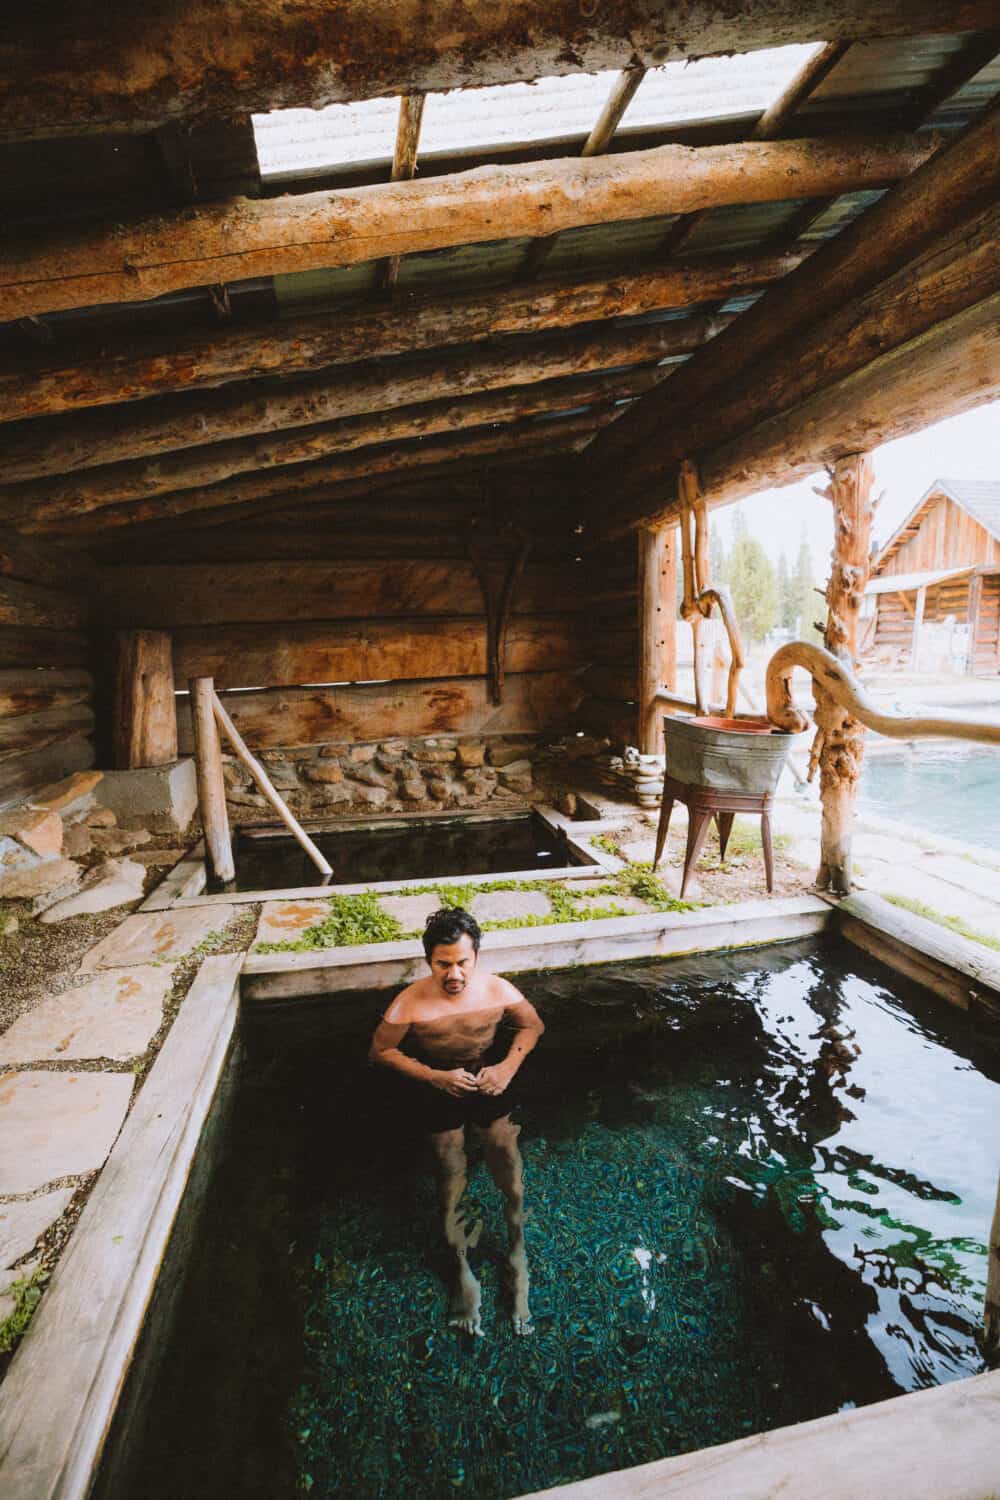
(145, 712)
(918, 620)
(211, 786)
(657, 631)
(972, 615)
(991, 1316)
(840, 739)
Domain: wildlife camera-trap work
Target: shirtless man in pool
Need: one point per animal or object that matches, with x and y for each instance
(455, 1072)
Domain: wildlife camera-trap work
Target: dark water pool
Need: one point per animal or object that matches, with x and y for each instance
(940, 788)
(412, 851)
(760, 1188)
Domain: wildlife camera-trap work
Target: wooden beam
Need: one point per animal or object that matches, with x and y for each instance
(156, 366)
(840, 739)
(211, 786)
(300, 481)
(950, 186)
(623, 91)
(657, 631)
(950, 369)
(145, 712)
(972, 615)
(404, 166)
(80, 71)
(61, 445)
(959, 270)
(242, 238)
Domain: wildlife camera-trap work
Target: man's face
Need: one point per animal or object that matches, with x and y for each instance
(453, 964)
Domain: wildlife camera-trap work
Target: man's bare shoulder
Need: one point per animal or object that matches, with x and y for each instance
(409, 1003)
(502, 992)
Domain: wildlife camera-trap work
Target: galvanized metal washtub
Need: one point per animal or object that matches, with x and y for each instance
(728, 755)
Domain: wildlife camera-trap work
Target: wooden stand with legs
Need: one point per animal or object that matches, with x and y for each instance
(703, 804)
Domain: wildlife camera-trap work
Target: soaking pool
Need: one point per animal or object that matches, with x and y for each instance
(945, 789)
(414, 849)
(759, 1189)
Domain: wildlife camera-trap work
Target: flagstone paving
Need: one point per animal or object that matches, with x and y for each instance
(57, 1125)
(284, 921)
(411, 911)
(21, 1224)
(116, 1015)
(151, 937)
(506, 906)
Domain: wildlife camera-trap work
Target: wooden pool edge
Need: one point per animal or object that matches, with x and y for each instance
(63, 1385)
(286, 976)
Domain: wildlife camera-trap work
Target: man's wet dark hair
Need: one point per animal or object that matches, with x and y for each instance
(447, 926)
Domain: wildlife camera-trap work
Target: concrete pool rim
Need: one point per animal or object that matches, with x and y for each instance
(65, 1380)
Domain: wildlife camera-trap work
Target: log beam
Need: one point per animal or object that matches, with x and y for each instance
(208, 422)
(404, 166)
(840, 739)
(145, 713)
(211, 785)
(657, 631)
(305, 483)
(243, 238)
(82, 71)
(157, 366)
(952, 185)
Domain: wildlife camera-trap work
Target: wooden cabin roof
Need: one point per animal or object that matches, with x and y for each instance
(190, 342)
(979, 499)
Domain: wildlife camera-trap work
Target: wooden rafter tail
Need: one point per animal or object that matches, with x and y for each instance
(262, 779)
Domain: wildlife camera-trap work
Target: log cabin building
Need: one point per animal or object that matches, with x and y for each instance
(938, 575)
(388, 445)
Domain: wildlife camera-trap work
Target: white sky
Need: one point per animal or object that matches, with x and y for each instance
(965, 447)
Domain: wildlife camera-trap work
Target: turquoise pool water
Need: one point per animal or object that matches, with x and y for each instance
(759, 1189)
(938, 788)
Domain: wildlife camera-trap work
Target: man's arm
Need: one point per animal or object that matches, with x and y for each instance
(528, 1027)
(384, 1050)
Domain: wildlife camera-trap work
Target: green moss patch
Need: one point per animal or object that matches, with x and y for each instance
(954, 924)
(27, 1294)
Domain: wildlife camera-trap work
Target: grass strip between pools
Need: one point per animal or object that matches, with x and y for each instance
(355, 920)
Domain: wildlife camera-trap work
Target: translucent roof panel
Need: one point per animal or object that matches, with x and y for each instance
(295, 142)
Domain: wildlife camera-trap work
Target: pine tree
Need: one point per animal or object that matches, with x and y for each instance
(786, 616)
(752, 583)
(806, 604)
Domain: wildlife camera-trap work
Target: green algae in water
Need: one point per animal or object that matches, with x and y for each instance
(738, 1220)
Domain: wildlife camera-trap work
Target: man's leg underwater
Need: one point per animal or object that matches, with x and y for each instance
(451, 1172)
(503, 1159)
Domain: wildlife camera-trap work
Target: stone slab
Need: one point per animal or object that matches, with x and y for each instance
(21, 1224)
(37, 828)
(58, 1124)
(590, 904)
(152, 937)
(284, 921)
(157, 856)
(508, 906)
(22, 885)
(116, 882)
(411, 911)
(116, 1015)
(61, 794)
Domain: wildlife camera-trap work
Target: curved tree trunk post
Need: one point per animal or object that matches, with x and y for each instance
(211, 785)
(991, 1316)
(657, 632)
(840, 739)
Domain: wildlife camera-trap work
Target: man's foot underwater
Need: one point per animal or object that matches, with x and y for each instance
(466, 1299)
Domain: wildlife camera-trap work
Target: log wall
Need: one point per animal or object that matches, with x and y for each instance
(319, 648)
(46, 683)
(944, 536)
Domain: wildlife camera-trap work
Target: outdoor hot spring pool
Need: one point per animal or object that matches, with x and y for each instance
(760, 1187)
(422, 847)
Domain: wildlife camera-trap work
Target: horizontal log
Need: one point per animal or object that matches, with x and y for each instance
(29, 692)
(35, 606)
(207, 423)
(43, 648)
(81, 70)
(154, 367)
(255, 592)
(47, 727)
(47, 564)
(39, 767)
(951, 369)
(244, 237)
(533, 702)
(905, 222)
(370, 650)
(295, 482)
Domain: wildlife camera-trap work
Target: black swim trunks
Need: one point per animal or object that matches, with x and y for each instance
(429, 1111)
